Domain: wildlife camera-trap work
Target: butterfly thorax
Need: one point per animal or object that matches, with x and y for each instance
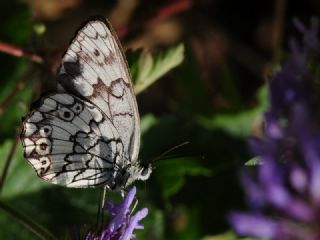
(129, 174)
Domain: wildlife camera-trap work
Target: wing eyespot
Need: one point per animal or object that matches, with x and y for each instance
(45, 131)
(43, 146)
(77, 108)
(66, 114)
(45, 165)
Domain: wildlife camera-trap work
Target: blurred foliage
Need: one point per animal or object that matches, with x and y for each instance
(13, 69)
(225, 236)
(171, 174)
(194, 97)
(238, 123)
(189, 192)
(253, 162)
(147, 68)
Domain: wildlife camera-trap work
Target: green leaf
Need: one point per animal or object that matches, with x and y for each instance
(21, 178)
(28, 222)
(237, 124)
(153, 224)
(253, 162)
(11, 116)
(171, 173)
(146, 68)
(147, 121)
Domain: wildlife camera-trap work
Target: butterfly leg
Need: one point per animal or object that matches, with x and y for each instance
(123, 192)
(135, 204)
(100, 213)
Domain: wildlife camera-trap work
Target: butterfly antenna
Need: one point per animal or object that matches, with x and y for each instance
(168, 151)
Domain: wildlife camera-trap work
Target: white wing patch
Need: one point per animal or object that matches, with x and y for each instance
(94, 67)
(88, 133)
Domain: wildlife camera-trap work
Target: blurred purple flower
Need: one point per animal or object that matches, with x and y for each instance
(122, 224)
(284, 191)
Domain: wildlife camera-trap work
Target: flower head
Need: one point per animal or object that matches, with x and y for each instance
(284, 192)
(122, 224)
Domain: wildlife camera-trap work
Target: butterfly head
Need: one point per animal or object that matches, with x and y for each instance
(132, 173)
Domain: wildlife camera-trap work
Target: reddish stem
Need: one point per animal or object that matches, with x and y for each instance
(162, 13)
(165, 12)
(10, 49)
(7, 100)
(19, 52)
(172, 9)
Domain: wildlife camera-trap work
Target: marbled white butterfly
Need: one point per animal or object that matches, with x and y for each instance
(87, 133)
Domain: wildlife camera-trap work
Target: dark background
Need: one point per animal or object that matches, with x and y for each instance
(214, 100)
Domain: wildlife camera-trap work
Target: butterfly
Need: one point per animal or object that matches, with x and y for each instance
(87, 132)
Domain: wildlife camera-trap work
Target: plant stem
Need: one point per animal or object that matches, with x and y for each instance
(19, 52)
(172, 9)
(8, 161)
(37, 229)
(277, 36)
(164, 12)
(19, 87)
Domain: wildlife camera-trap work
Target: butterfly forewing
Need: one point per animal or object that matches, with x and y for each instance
(94, 68)
(87, 133)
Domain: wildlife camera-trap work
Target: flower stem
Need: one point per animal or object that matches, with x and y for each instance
(8, 161)
(19, 52)
(162, 13)
(37, 229)
(277, 36)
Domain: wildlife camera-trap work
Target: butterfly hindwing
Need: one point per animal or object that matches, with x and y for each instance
(70, 142)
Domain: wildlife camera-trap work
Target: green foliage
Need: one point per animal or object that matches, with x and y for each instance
(193, 95)
(171, 173)
(146, 68)
(240, 123)
(39, 28)
(13, 69)
(186, 223)
(154, 225)
(147, 122)
(253, 162)
(27, 182)
(229, 87)
(21, 19)
(190, 190)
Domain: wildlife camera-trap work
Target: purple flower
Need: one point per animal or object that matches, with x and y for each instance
(284, 191)
(122, 224)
